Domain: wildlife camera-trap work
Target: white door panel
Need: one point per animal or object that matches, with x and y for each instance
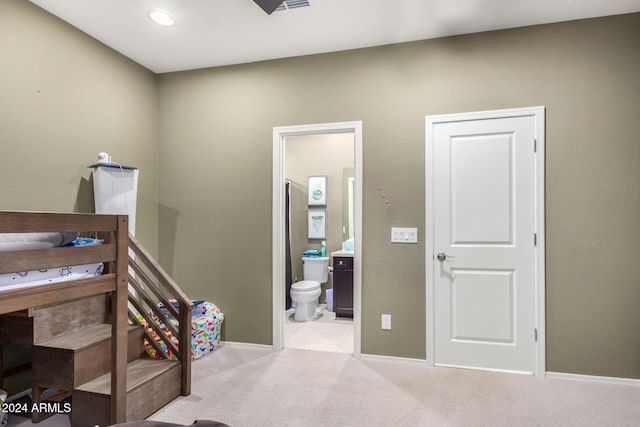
(484, 221)
(482, 306)
(479, 197)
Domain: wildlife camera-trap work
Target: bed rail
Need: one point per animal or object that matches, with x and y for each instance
(151, 288)
(55, 257)
(36, 222)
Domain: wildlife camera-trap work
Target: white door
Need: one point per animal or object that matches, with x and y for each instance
(484, 255)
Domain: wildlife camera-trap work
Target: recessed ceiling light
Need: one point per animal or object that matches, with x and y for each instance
(161, 17)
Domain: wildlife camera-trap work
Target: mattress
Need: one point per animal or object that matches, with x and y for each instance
(26, 279)
(31, 241)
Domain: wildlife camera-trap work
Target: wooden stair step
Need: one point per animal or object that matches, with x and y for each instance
(70, 316)
(138, 372)
(78, 357)
(151, 384)
(79, 340)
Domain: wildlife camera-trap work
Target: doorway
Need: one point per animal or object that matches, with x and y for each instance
(280, 134)
(485, 256)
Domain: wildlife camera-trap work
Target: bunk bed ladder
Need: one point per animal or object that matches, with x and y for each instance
(162, 308)
(119, 342)
(159, 310)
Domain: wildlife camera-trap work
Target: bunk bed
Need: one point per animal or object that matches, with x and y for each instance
(113, 253)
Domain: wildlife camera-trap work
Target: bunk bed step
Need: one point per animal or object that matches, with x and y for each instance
(151, 384)
(64, 362)
(71, 316)
(79, 340)
(73, 359)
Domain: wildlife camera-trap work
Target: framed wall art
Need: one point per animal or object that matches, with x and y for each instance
(317, 223)
(317, 189)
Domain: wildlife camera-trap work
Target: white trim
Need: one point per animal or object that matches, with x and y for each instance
(278, 217)
(593, 379)
(475, 368)
(541, 358)
(393, 359)
(539, 115)
(429, 209)
(245, 345)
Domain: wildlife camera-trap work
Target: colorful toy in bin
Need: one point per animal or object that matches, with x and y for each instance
(206, 321)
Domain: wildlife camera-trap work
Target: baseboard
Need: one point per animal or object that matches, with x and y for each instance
(393, 359)
(593, 378)
(475, 368)
(245, 345)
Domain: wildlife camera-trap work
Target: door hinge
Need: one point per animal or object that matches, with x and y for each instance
(535, 145)
(535, 239)
(535, 334)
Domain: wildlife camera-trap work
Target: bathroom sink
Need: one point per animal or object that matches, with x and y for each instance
(342, 253)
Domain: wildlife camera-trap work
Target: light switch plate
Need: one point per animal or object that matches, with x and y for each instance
(404, 235)
(386, 322)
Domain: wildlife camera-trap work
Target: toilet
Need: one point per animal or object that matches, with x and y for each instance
(315, 270)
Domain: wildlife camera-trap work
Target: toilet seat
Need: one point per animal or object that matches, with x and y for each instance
(305, 285)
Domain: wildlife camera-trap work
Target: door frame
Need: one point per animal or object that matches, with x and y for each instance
(278, 218)
(539, 218)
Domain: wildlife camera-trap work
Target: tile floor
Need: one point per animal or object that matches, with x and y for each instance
(327, 333)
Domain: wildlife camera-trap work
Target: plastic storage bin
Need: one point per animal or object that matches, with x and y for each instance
(329, 293)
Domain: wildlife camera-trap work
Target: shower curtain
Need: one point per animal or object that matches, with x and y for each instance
(287, 240)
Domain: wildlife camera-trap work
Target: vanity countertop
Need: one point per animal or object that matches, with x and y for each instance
(341, 253)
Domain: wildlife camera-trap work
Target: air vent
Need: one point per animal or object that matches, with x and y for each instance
(293, 4)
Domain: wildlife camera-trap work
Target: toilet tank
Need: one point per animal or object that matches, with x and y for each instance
(315, 268)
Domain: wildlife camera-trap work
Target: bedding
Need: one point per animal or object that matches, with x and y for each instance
(24, 279)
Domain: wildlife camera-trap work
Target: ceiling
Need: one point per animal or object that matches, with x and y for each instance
(211, 33)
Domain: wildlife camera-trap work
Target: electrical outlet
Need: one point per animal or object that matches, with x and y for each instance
(386, 322)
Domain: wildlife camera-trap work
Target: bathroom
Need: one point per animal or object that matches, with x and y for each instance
(329, 155)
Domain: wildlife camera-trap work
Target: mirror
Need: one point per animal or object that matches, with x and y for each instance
(348, 201)
(351, 186)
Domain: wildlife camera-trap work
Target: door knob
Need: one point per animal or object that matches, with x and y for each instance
(442, 256)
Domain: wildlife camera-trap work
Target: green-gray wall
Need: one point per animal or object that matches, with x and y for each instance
(216, 160)
(64, 97)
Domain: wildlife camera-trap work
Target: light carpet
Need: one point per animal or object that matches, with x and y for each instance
(258, 387)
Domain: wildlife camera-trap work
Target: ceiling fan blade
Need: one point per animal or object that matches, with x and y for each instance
(268, 5)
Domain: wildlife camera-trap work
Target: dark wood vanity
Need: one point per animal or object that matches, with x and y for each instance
(343, 285)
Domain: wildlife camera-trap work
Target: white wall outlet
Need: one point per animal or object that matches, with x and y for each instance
(386, 322)
(404, 235)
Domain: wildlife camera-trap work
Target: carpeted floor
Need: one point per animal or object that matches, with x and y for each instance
(307, 388)
(247, 386)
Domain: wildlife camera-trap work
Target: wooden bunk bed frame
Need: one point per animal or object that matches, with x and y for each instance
(114, 251)
(152, 288)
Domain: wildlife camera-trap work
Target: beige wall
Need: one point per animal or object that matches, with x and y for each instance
(64, 98)
(311, 155)
(216, 147)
